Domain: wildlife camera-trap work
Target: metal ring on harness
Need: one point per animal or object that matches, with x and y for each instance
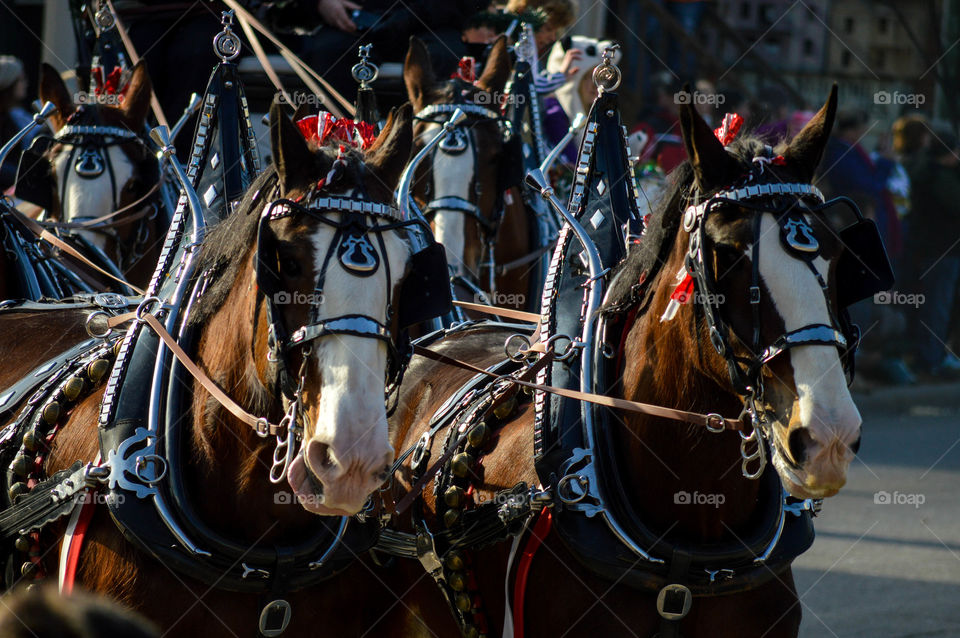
(522, 350)
(675, 612)
(715, 423)
(95, 319)
(144, 306)
(143, 461)
(564, 485)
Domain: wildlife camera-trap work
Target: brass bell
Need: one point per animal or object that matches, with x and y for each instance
(22, 465)
(470, 631)
(30, 440)
(455, 561)
(73, 388)
(23, 544)
(16, 490)
(461, 464)
(506, 408)
(28, 569)
(478, 435)
(451, 517)
(458, 581)
(98, 369)
(463, 602)
(51, 412)
(116, 347)
(453, 496)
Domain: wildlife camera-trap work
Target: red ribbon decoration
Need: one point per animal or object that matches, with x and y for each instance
(466, 70)
(729, 128)
(325, 128)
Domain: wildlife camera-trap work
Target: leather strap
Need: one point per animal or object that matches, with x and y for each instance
(696, 418)
(52, 239)
(496, 311)
(529, 258)
(261, 425)
(309, 77)
(100, 222)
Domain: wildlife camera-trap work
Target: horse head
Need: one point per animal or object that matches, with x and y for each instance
(461, 186)
(768, 257)
(327, 254)
(98, 160)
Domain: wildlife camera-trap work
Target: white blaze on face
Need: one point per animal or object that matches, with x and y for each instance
(348, 447)
(825, 405)
(91, 197)
(452, 177)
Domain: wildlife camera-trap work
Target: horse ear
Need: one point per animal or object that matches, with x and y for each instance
(291, 155)
(418, 73)
(136, 102)
(497, 70)
(53, 89)
(712, 166)
(806, 149)
(391, 151)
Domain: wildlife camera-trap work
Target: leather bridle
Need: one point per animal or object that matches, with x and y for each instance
(790, 199)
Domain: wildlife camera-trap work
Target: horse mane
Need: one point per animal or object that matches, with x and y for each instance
(644, 262)
(227, 243)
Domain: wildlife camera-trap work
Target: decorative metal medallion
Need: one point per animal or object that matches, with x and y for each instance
(358, 255)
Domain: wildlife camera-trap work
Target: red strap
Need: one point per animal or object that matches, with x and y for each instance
(76, 542)
(540, 531)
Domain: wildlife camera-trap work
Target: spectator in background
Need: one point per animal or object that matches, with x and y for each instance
(331, 48)
(934, 245)
(13, 117)
(559, 15)
(660, 124)
(847, 169)
(772, 114)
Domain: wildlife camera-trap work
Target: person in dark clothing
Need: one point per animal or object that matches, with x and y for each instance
(331, 49)
(934, 243)
(13, 117)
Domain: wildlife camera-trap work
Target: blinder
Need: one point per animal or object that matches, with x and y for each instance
(35, 182)
(425, 291)
(863, 267)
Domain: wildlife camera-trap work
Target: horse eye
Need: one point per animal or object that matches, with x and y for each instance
(290, 267)
(727, 259)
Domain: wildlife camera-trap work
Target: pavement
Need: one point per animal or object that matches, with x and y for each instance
(886, 562)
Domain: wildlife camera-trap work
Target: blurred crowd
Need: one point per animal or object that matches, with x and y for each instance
(907, 178)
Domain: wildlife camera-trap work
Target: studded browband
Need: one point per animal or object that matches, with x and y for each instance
(339, 204)
(694, 213)
(74, 130)
(429, 112)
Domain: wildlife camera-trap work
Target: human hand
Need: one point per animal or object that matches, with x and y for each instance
(569, 58)
(334, 13)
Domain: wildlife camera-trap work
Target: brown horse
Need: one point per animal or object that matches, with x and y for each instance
(99, 162)
(468, 187)
(283, 240)
(813, 423)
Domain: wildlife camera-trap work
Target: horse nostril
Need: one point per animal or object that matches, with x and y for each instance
(320, 456)
(855, 446)
(797, 443)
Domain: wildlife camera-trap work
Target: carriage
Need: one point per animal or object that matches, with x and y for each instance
(303, 421)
